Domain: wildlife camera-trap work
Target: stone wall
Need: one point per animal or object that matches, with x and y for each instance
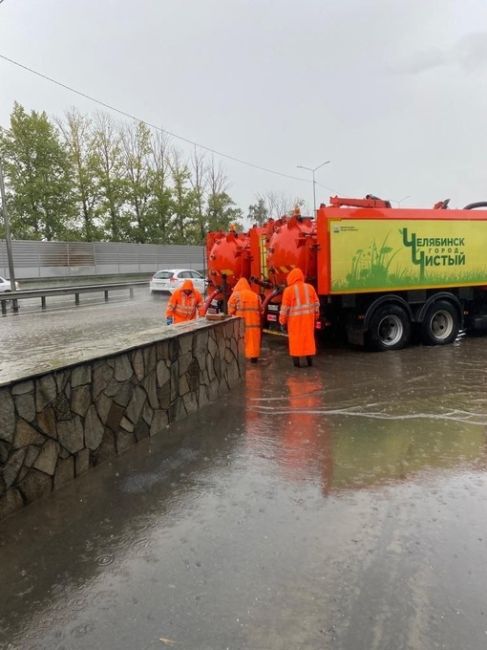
(55, 426)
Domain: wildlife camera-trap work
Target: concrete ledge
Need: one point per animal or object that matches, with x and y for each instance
(56, 424)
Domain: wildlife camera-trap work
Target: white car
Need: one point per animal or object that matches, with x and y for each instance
(171, 279)
(6, 286)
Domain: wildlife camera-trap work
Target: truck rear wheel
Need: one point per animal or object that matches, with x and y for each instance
(390, 328)
(441, 324)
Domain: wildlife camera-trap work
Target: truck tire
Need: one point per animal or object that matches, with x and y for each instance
(441, 324)
(390, 328)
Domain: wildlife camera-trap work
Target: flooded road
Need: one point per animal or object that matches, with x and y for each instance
(35, 340)
(341, 506)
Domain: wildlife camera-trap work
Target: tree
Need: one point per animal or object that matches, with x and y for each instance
(222, 212)
(184, 203)
(136, 150)
(279, 204)
(160, 202)
(41, 197)
(258, 212)
(199, 182)
(221, 209)
(79, 137)
(110, 184)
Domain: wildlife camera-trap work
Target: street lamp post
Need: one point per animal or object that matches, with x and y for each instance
(8, 241)
(313, 170)
(404, 198)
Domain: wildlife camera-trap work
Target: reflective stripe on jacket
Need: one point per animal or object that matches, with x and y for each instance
(183, 308)
(300, 308)
(245, 304)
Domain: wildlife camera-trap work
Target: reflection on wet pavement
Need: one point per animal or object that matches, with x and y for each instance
(340, 506)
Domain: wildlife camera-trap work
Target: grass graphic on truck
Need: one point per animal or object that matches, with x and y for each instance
(370, 255)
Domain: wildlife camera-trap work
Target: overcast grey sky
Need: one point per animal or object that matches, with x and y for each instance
(392, 91)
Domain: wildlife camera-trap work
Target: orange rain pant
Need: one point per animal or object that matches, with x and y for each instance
(246, 304)
(299, 311)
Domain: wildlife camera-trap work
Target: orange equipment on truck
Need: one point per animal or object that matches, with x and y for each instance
(228, 257)
(381, 273)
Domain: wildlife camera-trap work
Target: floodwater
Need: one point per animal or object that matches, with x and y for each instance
(64, 334)
(341, 506)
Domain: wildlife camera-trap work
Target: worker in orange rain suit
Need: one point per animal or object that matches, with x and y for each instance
(246, 303)
(300, 308)
(185, 304)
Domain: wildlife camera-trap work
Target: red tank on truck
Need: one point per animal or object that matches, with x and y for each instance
(384, 275)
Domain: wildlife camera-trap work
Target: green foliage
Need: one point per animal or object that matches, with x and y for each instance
(93, 179)
(79, 139)
(37, 166)
(258, 212)
(222, 212)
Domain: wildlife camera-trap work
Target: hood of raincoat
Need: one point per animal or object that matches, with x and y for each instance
(242, 285)
(296, 275)
(187, 285)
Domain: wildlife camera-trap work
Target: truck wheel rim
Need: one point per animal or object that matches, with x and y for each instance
(390, 330)
(441, 324)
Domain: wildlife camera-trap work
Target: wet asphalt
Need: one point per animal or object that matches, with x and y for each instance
(341, 506)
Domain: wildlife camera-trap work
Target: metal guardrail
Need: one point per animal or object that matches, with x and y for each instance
(15, 296)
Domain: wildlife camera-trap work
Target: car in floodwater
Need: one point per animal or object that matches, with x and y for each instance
(168, 280)
(5, 285)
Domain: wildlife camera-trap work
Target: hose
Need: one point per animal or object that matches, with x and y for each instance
(207, 303)
(478, 204)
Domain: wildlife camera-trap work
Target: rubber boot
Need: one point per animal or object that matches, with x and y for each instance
(253, 360)
(310, 361)
(296, 362)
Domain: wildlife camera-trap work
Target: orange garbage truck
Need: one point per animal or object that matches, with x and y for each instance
(383, 275)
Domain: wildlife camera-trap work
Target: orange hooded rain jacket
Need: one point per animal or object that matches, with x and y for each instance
(182, 307)
(246, 303)
(300, 308)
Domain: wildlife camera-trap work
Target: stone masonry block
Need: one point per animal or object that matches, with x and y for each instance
(93, 429)
(123, 395)
(82, 462)
(70, 434)
(163, 373)
(123, 369)
(103, 404)
(46, 391)
(114, 417)
(26, 407)
(47, 459)
(34, 485)
(159, 423)
(46, 421)
(150, 385)
(26, 435)
(7, 416)
(80, 376)
(23, 387)
(31, 455)
(124, 440)
(136, 405)
(64, 472)
(138, 364)
(150, 359)
(80, 400)
(12, 467)
(102, 373)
